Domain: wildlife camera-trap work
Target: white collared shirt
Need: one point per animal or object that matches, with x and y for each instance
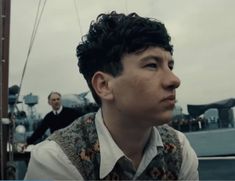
(48, 161)
(57, 111)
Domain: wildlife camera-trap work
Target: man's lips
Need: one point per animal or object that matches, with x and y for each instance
(169, 100)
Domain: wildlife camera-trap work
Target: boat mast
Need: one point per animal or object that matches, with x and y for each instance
(4, 69)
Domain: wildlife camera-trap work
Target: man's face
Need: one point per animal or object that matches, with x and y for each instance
(145, 91)
(55, 101)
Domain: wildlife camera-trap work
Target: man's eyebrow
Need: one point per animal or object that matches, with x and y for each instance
(156, 58)
(151, 57)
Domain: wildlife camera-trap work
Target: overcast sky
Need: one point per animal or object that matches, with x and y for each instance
(203, 35)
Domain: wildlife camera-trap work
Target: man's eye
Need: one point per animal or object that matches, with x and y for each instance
(151, 65)
(171, 67)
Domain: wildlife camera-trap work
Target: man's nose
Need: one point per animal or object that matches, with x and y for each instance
(171, 81)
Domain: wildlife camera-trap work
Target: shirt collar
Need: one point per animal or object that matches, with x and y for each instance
(151, 150)
(110, 153)
(58, 111)
(155, 140)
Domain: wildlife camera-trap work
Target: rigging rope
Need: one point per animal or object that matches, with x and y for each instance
(77, 16)
(126, 9)
(35, 28)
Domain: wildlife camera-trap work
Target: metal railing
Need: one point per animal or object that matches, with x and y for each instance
(217, 168)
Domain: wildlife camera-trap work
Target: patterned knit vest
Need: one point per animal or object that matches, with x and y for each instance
(80, 143)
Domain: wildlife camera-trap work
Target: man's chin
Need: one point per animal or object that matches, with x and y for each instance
(164, 119)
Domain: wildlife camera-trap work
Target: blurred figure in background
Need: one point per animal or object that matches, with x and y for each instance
(59, 117)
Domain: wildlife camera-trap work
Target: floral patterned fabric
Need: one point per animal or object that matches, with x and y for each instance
(80, 143)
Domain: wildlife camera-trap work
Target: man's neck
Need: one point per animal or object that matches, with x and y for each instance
(130, 138)
(58, 110)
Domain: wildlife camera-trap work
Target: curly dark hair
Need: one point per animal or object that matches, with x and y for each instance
(111, 36)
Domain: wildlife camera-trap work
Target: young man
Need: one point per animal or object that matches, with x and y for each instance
(127, 63)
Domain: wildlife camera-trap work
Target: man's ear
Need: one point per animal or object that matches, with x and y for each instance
(101, 83)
